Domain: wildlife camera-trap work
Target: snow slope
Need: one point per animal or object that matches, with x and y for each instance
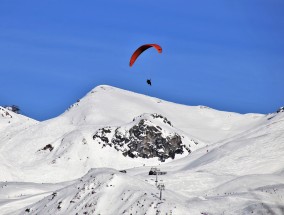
(107, 191)
(236, 167)
(70, 134)
(240, 175)
(106, 105)
(11, 122)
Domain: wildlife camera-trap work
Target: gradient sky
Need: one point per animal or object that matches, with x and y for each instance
(225, 54)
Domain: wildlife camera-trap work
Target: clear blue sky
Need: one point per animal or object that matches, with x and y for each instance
(225, 54)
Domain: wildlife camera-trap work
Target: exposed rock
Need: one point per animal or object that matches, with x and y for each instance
(4, 113)
(280, 110)
(144, 139)
(13, 108)
(47, 147)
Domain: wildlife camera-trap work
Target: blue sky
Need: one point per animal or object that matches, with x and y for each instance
(228, 55)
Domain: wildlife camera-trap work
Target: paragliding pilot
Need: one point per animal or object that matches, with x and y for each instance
(140, 50)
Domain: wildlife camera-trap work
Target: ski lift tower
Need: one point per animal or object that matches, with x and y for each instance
(156, 171)
(161, 187)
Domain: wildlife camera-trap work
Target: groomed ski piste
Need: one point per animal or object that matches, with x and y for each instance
(234, 165)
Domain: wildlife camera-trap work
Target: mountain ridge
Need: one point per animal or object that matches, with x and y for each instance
(67, 140)
(234, 165)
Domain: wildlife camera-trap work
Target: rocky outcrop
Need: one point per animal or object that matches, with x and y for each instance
(5, 113)
(280, 110)
(151, 135)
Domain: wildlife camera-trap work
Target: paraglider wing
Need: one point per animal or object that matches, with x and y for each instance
(141, 49)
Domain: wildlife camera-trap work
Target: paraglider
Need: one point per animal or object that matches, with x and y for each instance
(139, 51)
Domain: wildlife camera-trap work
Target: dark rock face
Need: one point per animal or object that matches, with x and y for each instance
(47, 147)
(144, 139)
(148, 142)
(13, 108)
(280, 110)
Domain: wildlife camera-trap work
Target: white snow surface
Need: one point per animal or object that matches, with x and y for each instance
(55, 166)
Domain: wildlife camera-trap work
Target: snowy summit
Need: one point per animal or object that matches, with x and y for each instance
(95, 158)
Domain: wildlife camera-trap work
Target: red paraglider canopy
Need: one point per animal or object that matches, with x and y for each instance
(141, 49)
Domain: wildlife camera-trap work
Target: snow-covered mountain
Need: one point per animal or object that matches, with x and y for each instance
(11, 122)
(104, 191)
(216, 162)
